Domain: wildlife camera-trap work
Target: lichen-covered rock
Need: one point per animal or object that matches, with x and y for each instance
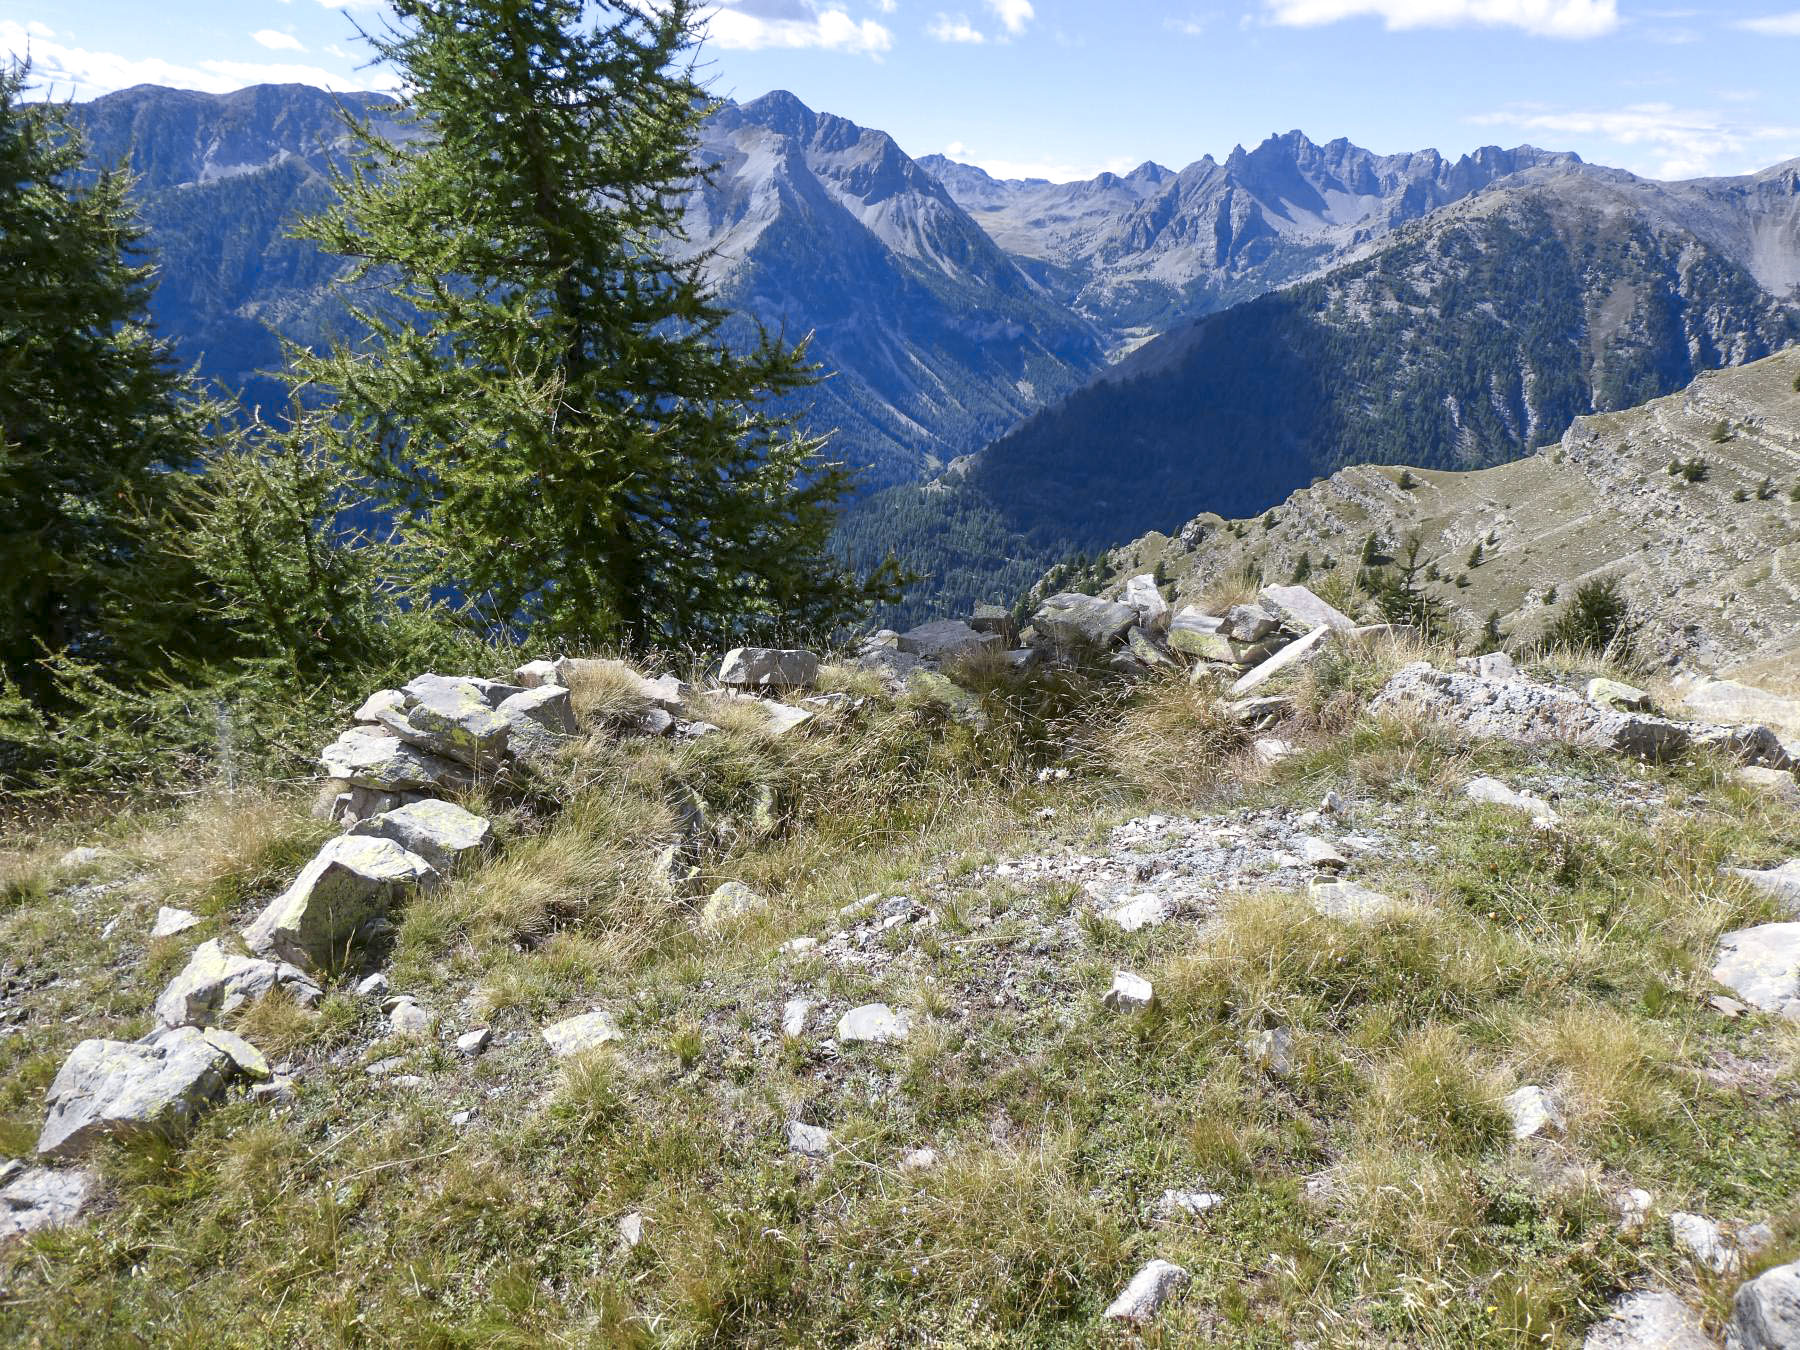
(731, 901)
(1149, 1289)
(452, 718)
(1290, 657)
(1536, 714)
(441, 833)
(216, 983)
(585, 1031)
(244, 1057)
(351, 880)
(375, 758)
(769, 668)
(1146, 597)
(1070, 618)
(1765, 1314)
(538, 720)
(123, 1088)
(1761, 965)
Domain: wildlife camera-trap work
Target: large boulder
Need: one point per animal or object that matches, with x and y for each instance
(1303, 611)
(216, 983)
(1761, 965)
(439, 832)
(452, 718)
(538, 720)
(1538, 714)
(1733, 704)
(1071, 619)
(769, 668)
(126, 1088)
(1765, 1314)
(353, 879)
(942, 639)
(377, 759)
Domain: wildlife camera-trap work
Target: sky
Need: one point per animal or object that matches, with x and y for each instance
(1064, 89)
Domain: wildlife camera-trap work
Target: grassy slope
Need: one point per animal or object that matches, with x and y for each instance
(1574, 957)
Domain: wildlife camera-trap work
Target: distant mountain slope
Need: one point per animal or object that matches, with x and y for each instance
(1463, 340)
(1136, 255)
(1713, 565)
(934, 339)
(937, 341)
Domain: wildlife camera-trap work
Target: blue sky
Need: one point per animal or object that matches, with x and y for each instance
(1065, 88)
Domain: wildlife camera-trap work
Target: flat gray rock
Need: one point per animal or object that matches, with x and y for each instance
(1141, 911)
(170, 922)
(450, 716)
(1765, 1314)
(731, 901)
(1649, 1321)
(811, 1141)
(1492, 792)
(123, 1088)
(585, 1031)
(37, 1198)
(1348, 900)
(1073, 618)
(539, 720)
(1290, 657)
(769, 668)
(941, 640)
(216, 983)
(1782, 882)
(1534, 1113)
(1129, 993)
(375, 758)
(441, 833)
(1143, 595)
(1761, 965)
(351, 880)
(1303, 611)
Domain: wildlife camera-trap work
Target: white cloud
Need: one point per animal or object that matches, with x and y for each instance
(42, 30)
(1665, 141)
(749, 25)
(1013, 14)
(1774, 25)
(277, 41)
(946, 29)
(74, 72)
(1192, 27)
(1546, 18)
(352, 4)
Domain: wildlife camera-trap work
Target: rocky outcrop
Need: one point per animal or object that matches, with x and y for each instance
(769, 668)
(120, 1088)
(216, 983)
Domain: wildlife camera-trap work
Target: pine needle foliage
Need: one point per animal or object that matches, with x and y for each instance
(546, 401)
(97, 424)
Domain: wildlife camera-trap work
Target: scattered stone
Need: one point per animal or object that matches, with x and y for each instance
(1149, 1289)
(41, 1197)
(407, 1018)
(1761, 965)
(378, 704)
(1141, 911)
(276, 1092)
(1332, 804)
(1534, 1113)
(441, 833)
(375, 758)
(352, 880)
(245, 1057)
(1536, 714)
(811, 1141)
(1290, 657)
(1174, 1204)
(1782, 882)
(1144, 650)
(1728, 1008)
(1262, 712)
(1633, 1206)
(769, 668)
(373, 986)
(1316, 852)
(799, 946)
(1702, 1239)
(85, 856)
(463, 1119)
(1129, 993)
(1778, 783)
(1269, 751)
(918, 1160)
(216, 983)
(996, 620)
(1303, 611)
(794, 1014)
(472, 1043)
(170, 922)
(733, 900)
(1348, 900)
(942, 639)
(1145, 597)
(631, 1229)
(582, 1032)
(1271, 1050)
(1070, 618)
(124, 1088)
(1649, 1321)
(386, 1067)
(539, 720)
(874, 1024)
(783, 717)
(1492, 792)
(535, 674)
(1620, 697)
(1765, 1314)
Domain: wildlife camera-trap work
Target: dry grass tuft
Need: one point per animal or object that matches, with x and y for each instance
(1614, 1069)
(606, 695)
(226, 850)
(1166, 743)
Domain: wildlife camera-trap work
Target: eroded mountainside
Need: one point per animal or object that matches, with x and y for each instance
(1691, 501)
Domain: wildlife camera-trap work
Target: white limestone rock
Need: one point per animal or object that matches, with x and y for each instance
(1069, 618)
(1492, 792)
(1620, 697)
(873, 1024)
(170, 922)
(352, 880)
(1141, 911)
(1146, 599)
(1649, 1321)
(1129, 993)
(1534, 1113)
(38, 1198)
(1704, 1241)
(585, 1031)
(123, 1088)
(810, 1141)
(1149, 1289)
(730, 902)
(1761, 965)
(1348, 900)
(1291, 657)
(472, 1043)
(794, 1014)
